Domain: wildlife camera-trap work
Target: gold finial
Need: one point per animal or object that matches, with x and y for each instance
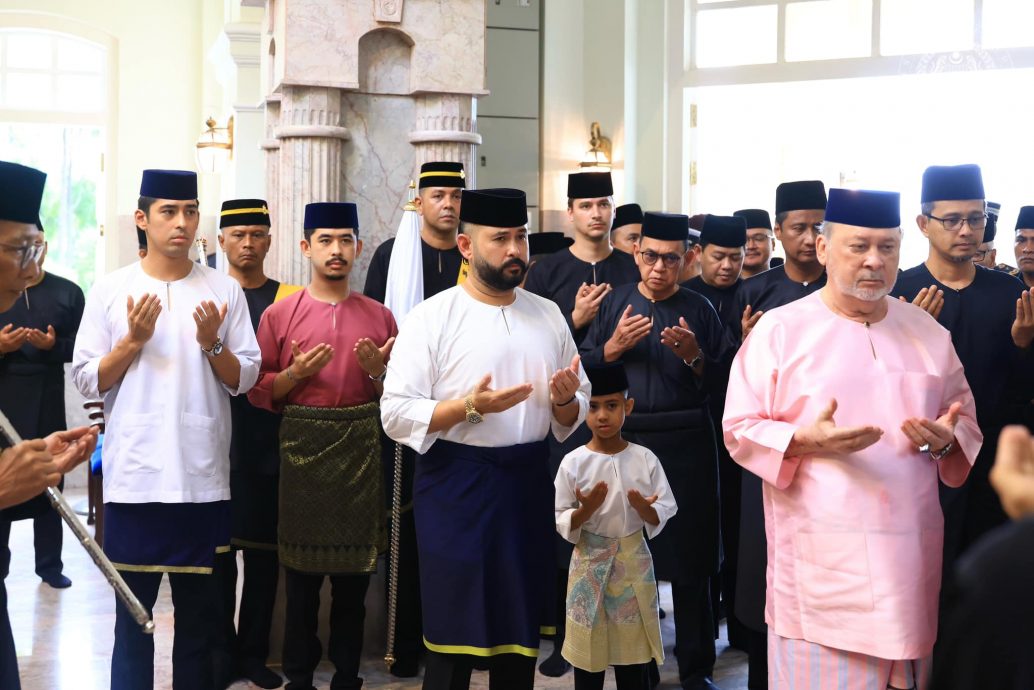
(410, 206)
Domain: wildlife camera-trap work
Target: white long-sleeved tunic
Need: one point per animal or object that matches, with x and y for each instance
(167, 433)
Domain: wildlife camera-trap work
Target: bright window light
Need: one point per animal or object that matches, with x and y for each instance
(736, 36)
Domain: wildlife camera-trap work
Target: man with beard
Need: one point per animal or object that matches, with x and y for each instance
(244, 236)
(438, 203)
(34, 464)
(760, 241)
(674, 350)
(852, 407)
(324, 352)
(991, 320)
(628, 228)
(577, 280)
(481, 373)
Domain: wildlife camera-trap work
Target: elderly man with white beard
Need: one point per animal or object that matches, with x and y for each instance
(852, 406)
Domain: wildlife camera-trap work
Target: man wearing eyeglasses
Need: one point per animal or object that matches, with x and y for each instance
(32, 390)
(991, 319)
(30, 467)
(674, 348)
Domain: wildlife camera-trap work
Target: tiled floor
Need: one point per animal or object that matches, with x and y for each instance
(64, 637)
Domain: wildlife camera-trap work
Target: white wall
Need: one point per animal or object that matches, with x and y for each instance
(608, 61)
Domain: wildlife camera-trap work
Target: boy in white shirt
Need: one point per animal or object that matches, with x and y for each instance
(607, 492)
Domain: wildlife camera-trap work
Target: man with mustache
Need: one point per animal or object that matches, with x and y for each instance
(990, 316)
(166, 342)
(760, 241)
(480, 375)
(674, 349)
(324, 353)
(244, 236)
(30, 467)
(852, 407)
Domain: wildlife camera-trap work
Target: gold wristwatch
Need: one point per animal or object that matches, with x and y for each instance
(473, 416)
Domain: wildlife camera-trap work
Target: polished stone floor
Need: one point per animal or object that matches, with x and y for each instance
(64, 637)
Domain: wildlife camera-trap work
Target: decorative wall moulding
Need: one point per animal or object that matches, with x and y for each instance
(424, 136)
(388, 11)
(270, 144)
(313, 131)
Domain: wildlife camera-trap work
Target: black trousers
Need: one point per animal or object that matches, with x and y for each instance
(630, 677)
(246, 643)
(757, 659)
(452, 671)
(694, 629)
(409, 630)
(194, 599)
(302, 648)
(561, 607)
(47, 538)
(8, 654)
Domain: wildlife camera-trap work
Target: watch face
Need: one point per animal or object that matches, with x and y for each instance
(217, 349)
(474, 418)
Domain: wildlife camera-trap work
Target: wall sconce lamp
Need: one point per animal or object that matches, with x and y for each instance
(598, 156)
(215, 146)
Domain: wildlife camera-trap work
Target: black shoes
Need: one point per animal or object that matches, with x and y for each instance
(556, 665)
(57, 581)
(261, 675)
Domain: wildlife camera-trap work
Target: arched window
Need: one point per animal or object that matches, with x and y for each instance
(53, 112)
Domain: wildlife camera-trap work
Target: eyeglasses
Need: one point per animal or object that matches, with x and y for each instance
(954, 223)
(979, 254)
(29, 252)
(669, 260)
(758, 239)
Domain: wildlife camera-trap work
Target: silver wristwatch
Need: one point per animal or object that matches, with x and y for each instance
(216, 349)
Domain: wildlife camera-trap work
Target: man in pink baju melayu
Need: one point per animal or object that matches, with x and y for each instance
(851, 406)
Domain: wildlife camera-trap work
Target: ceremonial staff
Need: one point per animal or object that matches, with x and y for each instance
(122, 591)
(396, 517)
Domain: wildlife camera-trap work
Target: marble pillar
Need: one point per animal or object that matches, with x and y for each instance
(444, 130)
(271, 148)
(312, 137)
